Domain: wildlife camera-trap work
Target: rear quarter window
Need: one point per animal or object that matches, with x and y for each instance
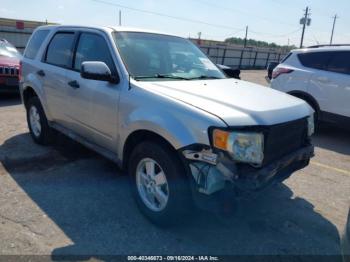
(316, 60)
(35, 43)
(339, 62)
(332, 61)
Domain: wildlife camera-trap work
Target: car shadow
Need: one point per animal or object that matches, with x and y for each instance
(333, 138)
(89, 199)
(10, 100)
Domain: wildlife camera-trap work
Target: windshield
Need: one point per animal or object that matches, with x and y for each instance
(161, 57)
(8, 50)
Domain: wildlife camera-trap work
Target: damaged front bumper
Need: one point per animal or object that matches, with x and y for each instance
(214, 174)
(275, 172)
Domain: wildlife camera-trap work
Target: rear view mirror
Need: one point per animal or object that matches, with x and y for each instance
(96, 70)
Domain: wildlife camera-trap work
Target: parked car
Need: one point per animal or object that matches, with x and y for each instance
(230, 72)
(270, 67)
(320, 76)
(181, 128)
(9, 67)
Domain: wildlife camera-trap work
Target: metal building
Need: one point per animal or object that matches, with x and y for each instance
(17, 32)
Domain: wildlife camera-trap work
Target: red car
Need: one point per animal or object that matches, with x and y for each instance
(9, 67)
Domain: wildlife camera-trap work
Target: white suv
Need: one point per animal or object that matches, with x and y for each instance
(320, 76)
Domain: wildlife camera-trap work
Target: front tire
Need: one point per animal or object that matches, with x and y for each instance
(160, 185)
(37, 122)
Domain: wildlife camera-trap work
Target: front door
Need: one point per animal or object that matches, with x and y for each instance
(93, 105)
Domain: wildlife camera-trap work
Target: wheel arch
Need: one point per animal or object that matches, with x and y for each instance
(308, 98)
(139, 136)
(28, 92)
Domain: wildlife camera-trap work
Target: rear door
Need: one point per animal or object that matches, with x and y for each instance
(93, 104)
(56, 63)
(315, 64)
(330, 82)
(337, 83)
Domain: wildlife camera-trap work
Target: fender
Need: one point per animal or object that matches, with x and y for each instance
(176, 130)
(34, 83)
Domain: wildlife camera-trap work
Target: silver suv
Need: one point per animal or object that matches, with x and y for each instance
(158, 107)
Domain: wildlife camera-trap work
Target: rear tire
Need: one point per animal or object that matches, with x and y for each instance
(37, 122)
(164, 198)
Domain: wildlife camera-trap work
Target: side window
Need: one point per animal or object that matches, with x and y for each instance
(339, 62)
(60, 49)
(34, 43)
(317, 60)
(92, 47)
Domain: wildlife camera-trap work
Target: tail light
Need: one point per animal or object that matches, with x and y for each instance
(20, 71)
(280, 71)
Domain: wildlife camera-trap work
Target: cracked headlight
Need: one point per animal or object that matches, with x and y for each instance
(243, 146)
(310, 125)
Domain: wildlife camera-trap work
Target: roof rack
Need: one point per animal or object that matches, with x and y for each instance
(318, 46)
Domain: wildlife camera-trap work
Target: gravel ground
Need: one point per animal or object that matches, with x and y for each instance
(65, 199)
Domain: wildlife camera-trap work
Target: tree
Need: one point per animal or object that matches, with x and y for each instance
(256, 43)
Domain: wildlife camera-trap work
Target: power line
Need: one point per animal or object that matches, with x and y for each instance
(182, 18)
(228, 9)
(277, 36)
(294, 6)
(168, 16)
(222, 36)
(319, 12)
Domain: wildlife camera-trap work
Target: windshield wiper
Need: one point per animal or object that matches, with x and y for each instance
(160, 76)
(204, 77)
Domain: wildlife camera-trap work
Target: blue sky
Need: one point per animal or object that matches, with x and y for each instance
(268, 20)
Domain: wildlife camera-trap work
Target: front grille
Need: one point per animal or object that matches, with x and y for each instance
(9, 71)
(284, 138)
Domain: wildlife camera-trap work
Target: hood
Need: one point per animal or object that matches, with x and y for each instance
(9, 61)
(236, 102)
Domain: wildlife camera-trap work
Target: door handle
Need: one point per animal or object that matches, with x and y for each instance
(41, 73)
(74, 84)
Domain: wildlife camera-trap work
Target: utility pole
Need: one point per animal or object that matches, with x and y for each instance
(287, 47)
(335, 19)
(304, 21)
(120, 18)
(246, 36)
(199, 38)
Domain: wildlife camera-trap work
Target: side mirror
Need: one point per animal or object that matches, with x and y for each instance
(96, 70)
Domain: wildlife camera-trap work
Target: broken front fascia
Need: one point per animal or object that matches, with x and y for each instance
(210, 170)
